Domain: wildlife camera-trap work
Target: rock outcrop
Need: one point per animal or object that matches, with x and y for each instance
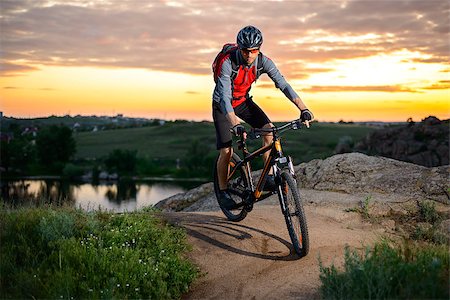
(424, 143)
(359, 173)
(351, 173)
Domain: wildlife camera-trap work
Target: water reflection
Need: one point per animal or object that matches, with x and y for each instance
(122, 196)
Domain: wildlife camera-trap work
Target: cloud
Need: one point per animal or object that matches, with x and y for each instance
(159, 35)
(192, 93)
(11, 69)
(383, 88)
(441, 85)
(21, 88)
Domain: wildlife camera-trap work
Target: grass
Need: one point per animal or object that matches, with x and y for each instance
(163, 145)
(68, 253)
(363, 208)
(389, 271)
(173, 139)
(415, 268)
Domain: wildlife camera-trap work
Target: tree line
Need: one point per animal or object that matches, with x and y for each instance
(51, 151)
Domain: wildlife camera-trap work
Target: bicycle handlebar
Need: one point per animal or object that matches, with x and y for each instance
(256, 132)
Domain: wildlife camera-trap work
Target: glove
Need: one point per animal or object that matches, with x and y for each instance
(238, 130)
(306, 115)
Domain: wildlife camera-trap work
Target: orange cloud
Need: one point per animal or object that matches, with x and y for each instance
(385, 88)
(441, 85)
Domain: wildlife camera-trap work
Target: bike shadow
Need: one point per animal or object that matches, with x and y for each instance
(228, 235)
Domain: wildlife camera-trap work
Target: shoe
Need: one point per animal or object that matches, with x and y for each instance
(225, 200)
(270, 185)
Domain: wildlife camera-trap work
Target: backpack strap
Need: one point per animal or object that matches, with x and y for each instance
(234, 64)
(259, 66)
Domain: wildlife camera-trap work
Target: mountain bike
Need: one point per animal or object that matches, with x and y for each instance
(245, 193)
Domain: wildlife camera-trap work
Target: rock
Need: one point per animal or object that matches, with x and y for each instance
(431, 120)
(424, 143)
(344, 145)
(359, 173)
(445, 226)
(388, 224)
(182, 201)
(352, 174)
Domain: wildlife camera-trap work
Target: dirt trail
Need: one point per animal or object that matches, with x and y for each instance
(253, 259)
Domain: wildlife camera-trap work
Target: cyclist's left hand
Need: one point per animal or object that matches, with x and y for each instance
(239, 130)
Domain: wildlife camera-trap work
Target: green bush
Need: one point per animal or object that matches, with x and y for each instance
(65, 253)
(72, 171)
(427, 212)
(389, 271)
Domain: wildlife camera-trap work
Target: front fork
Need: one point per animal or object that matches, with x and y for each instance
(282, 163)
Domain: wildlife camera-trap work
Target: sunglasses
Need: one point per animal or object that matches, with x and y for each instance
(248, 51)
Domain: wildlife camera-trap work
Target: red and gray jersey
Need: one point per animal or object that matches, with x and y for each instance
(230, 94)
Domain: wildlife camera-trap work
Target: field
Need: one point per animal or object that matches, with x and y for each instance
(174, 139)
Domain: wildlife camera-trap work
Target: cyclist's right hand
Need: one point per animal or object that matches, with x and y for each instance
(238, 130)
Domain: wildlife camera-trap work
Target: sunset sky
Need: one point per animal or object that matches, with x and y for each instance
(384, 60)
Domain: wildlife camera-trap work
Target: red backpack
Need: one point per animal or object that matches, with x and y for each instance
(231, 51)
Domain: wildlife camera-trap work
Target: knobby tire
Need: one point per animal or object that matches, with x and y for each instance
(238, 187)
(294, 213)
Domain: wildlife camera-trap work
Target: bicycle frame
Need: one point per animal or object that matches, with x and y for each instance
(276, 160)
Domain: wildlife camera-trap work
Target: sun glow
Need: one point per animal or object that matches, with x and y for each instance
(82, 90)
(385, 87)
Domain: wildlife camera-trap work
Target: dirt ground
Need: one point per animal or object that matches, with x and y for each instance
(254, 259)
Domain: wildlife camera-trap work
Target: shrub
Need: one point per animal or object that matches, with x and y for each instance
(72, 171)
(65, 253)
(389, 271)
(427, 212)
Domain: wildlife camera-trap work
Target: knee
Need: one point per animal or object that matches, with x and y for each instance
(226, 152)
(268, 138)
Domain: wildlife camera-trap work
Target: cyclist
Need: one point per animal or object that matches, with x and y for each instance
(231, 99)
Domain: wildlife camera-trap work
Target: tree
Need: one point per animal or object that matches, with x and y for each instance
(17, 154)
(199, 159)
(123, 162)
(55, 146)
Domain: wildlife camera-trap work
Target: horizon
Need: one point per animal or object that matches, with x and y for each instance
(191, 120)
(348, 60)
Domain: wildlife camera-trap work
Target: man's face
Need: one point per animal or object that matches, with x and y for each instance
(250, 55)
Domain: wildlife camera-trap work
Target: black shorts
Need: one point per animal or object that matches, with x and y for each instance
(248, 111)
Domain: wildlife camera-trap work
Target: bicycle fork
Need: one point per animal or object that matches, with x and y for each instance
(283, 163)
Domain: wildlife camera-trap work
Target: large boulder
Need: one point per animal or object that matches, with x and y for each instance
(349, 174)
(359, 173)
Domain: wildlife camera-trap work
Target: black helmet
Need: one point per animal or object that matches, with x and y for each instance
(249, 37)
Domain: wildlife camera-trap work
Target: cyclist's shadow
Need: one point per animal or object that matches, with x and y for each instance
(199, 226)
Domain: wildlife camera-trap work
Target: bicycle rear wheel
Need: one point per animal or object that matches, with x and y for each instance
(294, 213)
(238, 188)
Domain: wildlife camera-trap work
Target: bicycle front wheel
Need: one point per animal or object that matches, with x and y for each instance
(294, 213)
(238, 187)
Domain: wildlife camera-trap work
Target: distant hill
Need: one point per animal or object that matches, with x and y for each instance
(78, 123)
(425, 143)
(173, 140)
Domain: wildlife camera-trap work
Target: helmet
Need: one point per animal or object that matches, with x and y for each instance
(249, 37)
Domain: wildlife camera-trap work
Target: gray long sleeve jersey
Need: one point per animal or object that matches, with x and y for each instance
(223, 91)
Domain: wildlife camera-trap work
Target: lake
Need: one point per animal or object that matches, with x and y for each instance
(112, 196)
